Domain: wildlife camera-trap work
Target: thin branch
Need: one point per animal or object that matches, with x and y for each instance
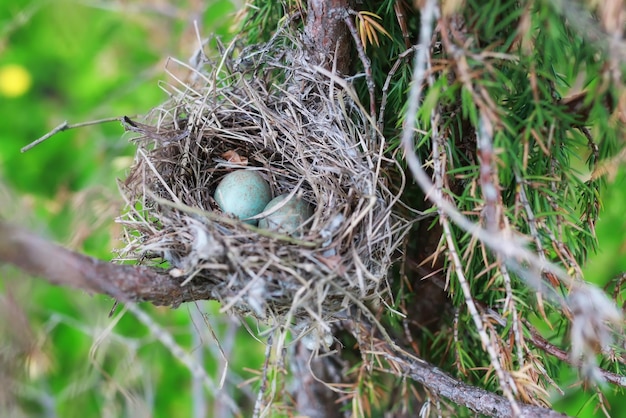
(476, 399)
(514, 318)
(196, 367)
(367, 67)
(533, 227)
(260, 404)
(385, 91)
(486, 158)
(492, 215)
(65, 127)
(399, 9)
(438, 383)
(543, 344)
(506, 382)
(63, 267)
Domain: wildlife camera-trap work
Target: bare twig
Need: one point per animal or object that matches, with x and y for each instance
(367, 67)
(492, 215)
(506, 382)
(540, 342)
(199, 404)
(260, 404)
(438, 383)
(399, 9)
(193, 365)
(514, 318)
(532, 225)
(65, 127)
(484, 145)
(385, 92)
(476, 399)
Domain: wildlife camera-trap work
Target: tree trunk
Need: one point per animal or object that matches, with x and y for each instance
(326, 35)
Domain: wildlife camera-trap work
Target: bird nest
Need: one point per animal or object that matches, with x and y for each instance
(303, 129)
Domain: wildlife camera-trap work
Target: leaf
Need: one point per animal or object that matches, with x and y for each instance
(233, 156)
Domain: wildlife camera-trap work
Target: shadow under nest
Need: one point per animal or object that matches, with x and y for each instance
(304, 131)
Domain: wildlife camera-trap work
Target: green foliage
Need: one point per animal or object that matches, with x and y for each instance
(518, 63)
(522, 60)
(263, 17)
(85, 63)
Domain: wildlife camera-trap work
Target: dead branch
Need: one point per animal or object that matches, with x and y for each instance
(63, 267)
(476, 399)
(543, 344)
(65, 127)
(438, 383)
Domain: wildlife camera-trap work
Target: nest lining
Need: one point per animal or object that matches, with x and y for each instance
(306, 135)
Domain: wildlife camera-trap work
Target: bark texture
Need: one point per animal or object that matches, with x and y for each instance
(59, 266)
(326, 35)
(314, 399)
(476, 399)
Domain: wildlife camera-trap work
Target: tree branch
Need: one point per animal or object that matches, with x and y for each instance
(476, 399)
(312, 377)
(63, 267)
(407, 366)
(564, 356)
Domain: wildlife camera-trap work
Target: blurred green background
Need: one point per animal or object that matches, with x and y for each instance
(61, 354)
(86, 60)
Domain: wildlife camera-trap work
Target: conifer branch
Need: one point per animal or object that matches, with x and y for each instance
(389, 359)
(422, 59)
(592, 312)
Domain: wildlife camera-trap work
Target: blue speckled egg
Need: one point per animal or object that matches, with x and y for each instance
(243, 193)
(289, 217)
